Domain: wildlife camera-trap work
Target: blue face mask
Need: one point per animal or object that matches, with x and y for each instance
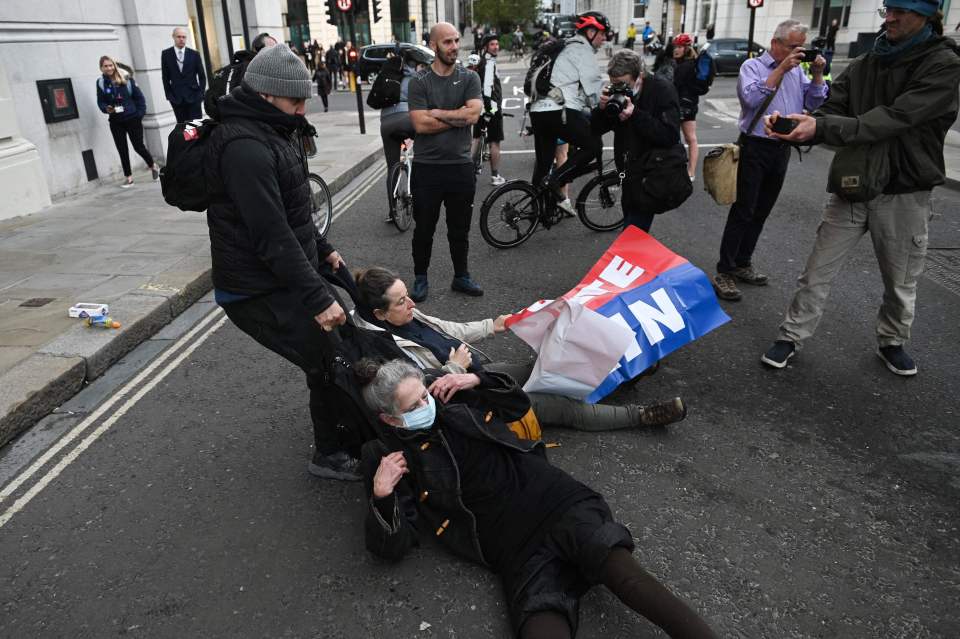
(421, 418)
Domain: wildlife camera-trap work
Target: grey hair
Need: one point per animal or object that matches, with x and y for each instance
(787, 27)
(625, 62)
(381, 393)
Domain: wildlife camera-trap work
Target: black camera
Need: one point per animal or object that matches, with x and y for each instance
(809, 55)
(620, 94)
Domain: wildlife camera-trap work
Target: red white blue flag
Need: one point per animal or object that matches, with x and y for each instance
(638, 303)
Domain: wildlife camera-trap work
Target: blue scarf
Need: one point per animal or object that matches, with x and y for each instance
(888, 51)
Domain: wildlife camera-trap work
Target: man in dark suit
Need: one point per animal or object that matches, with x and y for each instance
(183, 77)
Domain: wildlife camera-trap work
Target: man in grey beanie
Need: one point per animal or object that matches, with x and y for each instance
(267, 256)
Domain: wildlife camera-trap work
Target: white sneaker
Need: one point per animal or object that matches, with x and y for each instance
(497, 180)
(126, 185)
(567, 207)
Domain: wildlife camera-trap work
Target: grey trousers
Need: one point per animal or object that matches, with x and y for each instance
(560, 411)
(898, 227)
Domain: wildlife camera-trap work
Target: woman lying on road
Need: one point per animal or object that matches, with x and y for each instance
(457, 472)
(435, 343)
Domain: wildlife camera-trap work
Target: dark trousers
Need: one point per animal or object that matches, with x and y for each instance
(453, 187)
(322, 92)
(633, 212)
(132, 128)
(763, 166)
(548, 126)
(278, 322)
(187, 111)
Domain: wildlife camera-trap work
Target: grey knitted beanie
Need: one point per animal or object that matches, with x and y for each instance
(278, 71)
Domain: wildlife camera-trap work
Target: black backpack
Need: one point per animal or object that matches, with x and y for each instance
(224, 80)
(182, 178)
(537, 84)
(386, 88)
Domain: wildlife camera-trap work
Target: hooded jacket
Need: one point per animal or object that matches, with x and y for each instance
(576, 75)
(906, 105)
(262, 237)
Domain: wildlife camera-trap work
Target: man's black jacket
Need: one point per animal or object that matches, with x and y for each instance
(262, 237)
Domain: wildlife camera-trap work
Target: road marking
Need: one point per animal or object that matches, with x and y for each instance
(360, 191)
(70, 457)
(77, 430)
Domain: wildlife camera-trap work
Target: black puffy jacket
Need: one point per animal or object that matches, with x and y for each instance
(262, 237)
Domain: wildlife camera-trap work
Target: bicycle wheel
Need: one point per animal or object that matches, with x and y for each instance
(598, 204)
(321, 204)
(510, 214)
(401, 198)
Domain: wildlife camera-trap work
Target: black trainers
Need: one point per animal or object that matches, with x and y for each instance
(897, 360)
(726, 287)
(663, 413)
(421, 287)
(338, 465)
(466, 284)
(749, 275)
(778, 354)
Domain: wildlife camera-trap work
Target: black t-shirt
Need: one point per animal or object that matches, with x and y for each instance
(515, 496)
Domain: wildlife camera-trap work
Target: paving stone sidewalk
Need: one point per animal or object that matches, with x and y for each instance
(124, 247)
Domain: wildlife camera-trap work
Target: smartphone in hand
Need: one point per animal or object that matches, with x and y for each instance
(784, 125)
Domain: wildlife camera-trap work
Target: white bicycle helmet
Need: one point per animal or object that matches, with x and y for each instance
(473, 60)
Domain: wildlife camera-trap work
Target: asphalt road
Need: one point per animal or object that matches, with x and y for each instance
(817, 501)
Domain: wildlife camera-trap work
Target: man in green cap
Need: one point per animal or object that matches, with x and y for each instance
(888, 115)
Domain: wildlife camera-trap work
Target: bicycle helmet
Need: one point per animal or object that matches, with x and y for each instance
(487, 39)
(473, 60)
(593, 19)
(683, 40)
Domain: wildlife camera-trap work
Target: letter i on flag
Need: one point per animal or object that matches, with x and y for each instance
(639, 302)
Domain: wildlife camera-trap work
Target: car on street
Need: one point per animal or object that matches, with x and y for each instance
(564, 26)
(372, 56)
(729, 53)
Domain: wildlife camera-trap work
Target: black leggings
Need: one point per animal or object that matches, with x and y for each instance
(639, 590)
(547, 127)
(132, 127)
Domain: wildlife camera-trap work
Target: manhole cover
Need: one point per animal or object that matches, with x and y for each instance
(37, 302)
(943, 267)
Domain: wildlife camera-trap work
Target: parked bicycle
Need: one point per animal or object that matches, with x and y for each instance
(511, 213)
(401, 197)
(321, 203)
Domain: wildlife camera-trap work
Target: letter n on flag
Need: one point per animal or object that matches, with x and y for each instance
(639, 303)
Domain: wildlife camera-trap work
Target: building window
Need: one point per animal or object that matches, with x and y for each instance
(838, 10)
(640, 8)
(706, 14)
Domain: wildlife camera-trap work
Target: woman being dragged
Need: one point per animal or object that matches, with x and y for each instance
(440, 344)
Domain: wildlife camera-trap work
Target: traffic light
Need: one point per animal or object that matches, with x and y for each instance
(332, 12)
(376, 10)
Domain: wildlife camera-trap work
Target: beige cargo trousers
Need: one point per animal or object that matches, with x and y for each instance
(898, 227)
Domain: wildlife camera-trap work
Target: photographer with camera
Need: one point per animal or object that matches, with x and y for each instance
(772, 82)
(643, 112)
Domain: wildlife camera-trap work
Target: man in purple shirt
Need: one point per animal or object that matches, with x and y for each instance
(764, 159)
